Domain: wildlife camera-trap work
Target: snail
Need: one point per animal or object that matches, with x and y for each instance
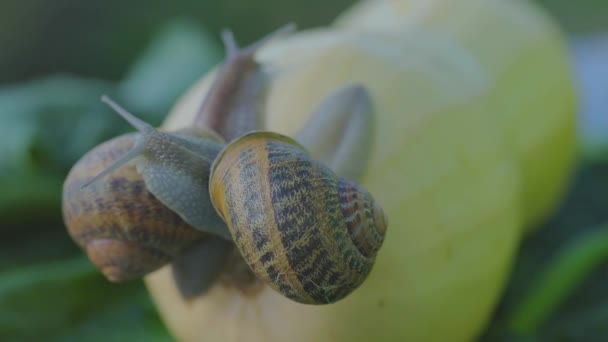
(120, 222)
(302, 229)
(306, 232)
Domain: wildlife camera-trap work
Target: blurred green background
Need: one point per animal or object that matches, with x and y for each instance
(57, 57)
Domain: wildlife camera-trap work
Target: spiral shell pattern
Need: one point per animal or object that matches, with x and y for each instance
(307, 233)
(125, 231)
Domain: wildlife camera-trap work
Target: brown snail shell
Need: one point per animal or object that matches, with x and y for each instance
(125, 231)
(309, 234)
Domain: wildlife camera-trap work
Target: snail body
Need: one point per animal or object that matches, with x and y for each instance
(307, 233)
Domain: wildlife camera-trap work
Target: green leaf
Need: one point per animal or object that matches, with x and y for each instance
(559, 279)
(69, 299)
(569, 301)
(48, 123)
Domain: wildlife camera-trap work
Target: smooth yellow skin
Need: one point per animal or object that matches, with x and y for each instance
(443, 167)
(532, 91)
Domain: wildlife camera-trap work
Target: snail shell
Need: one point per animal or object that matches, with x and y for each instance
(122, 227)
(309, 234)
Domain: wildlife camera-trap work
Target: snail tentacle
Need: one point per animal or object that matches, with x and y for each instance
(196, 268)
(233, 105)
(340, 131)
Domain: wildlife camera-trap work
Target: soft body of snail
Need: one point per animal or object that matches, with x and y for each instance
(441, 166)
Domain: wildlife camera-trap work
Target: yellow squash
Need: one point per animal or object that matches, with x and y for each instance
(473, 141)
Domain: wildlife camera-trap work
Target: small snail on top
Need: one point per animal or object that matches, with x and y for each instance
(302, 229)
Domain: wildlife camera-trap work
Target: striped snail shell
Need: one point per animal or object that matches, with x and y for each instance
(307, 233)
(120, 225)
(152, 203)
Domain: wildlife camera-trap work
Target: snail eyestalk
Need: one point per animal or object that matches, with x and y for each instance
(230, 44)
(231, 107)
(232, 48)
(137, 150)
(138, 146)
(340, 132)
(136, 122)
